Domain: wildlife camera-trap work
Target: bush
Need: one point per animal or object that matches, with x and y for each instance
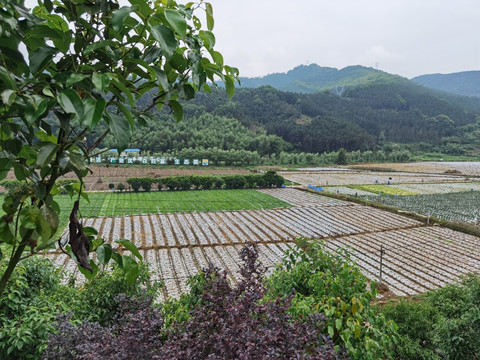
(224, 322)
(328, 282)
(171, 183)
(443, 323)
(184, 182)
(218, 182)
(272, 179)
(206, 182)
(135, 183)
(111, 186)
(27, 309)
(120, 186)
(234, 181)
(146, 183)
(98, 297)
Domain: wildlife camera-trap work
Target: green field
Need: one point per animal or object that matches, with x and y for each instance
(383, 189)
(156, 202)
(119, 204)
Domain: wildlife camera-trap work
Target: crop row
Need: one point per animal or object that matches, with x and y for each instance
(236, 227)
(302, 198)
(462, 206)
(414, 260)
(351, 178)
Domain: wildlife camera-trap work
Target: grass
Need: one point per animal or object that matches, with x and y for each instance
(384, 189)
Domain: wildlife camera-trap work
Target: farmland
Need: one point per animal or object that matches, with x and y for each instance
(462, 206)
(417, 257)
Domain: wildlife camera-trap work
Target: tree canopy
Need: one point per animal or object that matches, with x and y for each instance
(68, 66)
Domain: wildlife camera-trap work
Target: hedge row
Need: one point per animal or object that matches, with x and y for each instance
(207, 182)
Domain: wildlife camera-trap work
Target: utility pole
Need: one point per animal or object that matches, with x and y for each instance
(381, 263)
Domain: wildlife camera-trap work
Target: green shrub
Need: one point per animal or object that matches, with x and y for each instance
(234, 181)
(272, 179)
(27, 309)
(135, 183)
(328, 283)
(120, 186)
(111, 186)
(415, 321)
(184, 182)
(218, 182)
(146, 183)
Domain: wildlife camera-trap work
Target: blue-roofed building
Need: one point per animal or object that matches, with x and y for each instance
(126, 152)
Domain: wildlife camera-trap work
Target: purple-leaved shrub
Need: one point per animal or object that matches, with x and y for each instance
(229, 322)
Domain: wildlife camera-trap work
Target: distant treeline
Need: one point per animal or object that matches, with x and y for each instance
(262, 124)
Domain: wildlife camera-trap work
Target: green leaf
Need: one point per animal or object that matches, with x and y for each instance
(177, 22)
(93, 112)
(229, 86)
(126, 112)
(75, 78)
(130, 267)
(166, 38)
(120, 15)
(208, 39)
(29, 216)
(338, 324)
(100, 81)
(331, 332)
(43, 229)
(121, 130)
(177, 109)
(87, 273)
(8, 96)
(40, 57)
(51, 217)
(125, 91)
(77, 161)
(358, 330)
(6, 234)
(71, 102)
(118, 259)
(127, 244)
(46, 153)
(104, 253)
(7, 78)
(102, 44)
(5, 166)
(209, 11)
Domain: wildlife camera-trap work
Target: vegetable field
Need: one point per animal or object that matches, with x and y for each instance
(416, 258)
(464, 206)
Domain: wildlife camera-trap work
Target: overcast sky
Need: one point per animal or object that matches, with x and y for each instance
(404, 37)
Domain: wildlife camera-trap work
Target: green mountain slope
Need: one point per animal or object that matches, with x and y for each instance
(462, 83)
(314, 78)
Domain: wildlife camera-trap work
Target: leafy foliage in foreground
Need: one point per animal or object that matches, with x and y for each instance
(329, 284)
(443, 324)
(228, 322)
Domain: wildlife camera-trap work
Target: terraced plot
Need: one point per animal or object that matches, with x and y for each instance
(417, 257)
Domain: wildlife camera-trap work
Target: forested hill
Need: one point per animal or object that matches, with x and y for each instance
(269, 121)
(462, 83)
(314, 78)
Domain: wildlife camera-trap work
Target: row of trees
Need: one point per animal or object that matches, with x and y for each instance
(207, 182)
